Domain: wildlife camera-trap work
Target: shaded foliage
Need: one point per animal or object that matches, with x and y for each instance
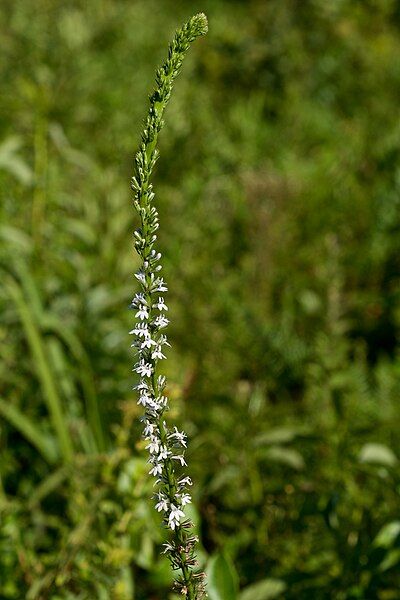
(278, 188)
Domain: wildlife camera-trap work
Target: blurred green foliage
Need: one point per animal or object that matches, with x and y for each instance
(278, 187)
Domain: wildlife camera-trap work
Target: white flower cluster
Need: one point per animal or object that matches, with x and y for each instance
(165, 447)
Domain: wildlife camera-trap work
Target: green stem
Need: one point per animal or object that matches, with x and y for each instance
(39, 192)
(145, 160)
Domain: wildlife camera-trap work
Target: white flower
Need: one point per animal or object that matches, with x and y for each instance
(139, 299)
(140, 276)
(162, 503)
(159, 285)
(157, 353)
(186, 499)
(142, 385)
(143, 312)
(180, 458)
(185, 481)
(161, 304)
(144, 399)
(148, 343)
(143, 368)
(162, 401)
(149, 429)
(174, 516)
(141, 330)
(164, 453)
(156, 470)
(154, 445)
(161, 322)
(163, 341)
(179, 436)
(153, 405)
(168, 548)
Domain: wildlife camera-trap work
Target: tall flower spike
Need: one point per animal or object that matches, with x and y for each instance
(166, 446)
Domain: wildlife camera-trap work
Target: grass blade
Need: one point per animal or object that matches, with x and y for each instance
(45, 375)
(29, 430)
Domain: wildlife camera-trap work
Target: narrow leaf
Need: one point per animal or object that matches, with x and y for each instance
(222, 579)
(267, 589)
(388, 535)
(286, 456)
(45, 375)
(29, 430)
(377, 454)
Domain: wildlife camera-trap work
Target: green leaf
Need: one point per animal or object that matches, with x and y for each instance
(378, 454)
(41, 363)
(11, 162)
(310, 301)
(286, 456)
(29, 429)
(223, 477)
(51, 324)
(16, 237)
(161, 575)
(47, 486)
(279, 435)
(264, 590)
(145, 555)
(387, 535)
(222, 578)
(391, 559)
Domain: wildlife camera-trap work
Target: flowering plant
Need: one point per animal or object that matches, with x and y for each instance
(166, 446)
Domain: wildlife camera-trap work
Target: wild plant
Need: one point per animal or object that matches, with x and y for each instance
(166, 445)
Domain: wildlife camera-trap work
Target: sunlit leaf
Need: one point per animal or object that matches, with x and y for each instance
(388, 535)
(286, 456)
(391, 559)
(222, 579)
(279, 435)
(267, 589)
(10, 160)
(377, 454)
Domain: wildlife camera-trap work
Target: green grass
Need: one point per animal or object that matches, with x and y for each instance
(278, 195)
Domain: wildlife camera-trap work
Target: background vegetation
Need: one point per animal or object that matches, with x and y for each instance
(278, 187)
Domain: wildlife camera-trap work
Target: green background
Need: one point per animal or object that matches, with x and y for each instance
(278, 190)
